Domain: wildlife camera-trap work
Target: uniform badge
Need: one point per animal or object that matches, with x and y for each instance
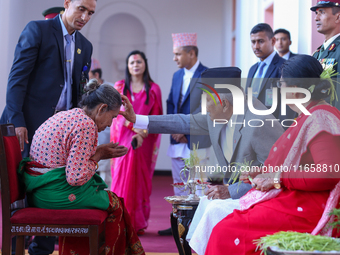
(327, 62)
(323, 62)
(330, 62)
(79, 51)
(332, 47)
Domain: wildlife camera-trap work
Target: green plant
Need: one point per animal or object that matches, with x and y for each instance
(191, 162)
(294, 241)
(193, 159)
(327, 74)
(336, 223)
(246, 165)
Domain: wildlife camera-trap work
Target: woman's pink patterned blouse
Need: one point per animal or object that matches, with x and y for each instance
(68, 138)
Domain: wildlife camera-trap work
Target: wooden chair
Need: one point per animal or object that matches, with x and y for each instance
(37, 221)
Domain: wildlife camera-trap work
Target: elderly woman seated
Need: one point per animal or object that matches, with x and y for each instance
(300, 197)
(61, 170)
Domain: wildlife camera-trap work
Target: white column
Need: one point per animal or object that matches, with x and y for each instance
(247, 16)
(4, 44)
(295, 17)
(228, 30)
(305, 27)
(11, 25)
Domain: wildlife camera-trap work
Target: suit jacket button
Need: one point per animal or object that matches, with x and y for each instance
(61, 85)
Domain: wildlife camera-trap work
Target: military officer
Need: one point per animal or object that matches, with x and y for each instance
(328, 23)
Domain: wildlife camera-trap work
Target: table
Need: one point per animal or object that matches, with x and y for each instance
(180, 218)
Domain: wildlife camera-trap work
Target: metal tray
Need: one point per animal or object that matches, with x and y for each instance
(273, 251)
(181, 200)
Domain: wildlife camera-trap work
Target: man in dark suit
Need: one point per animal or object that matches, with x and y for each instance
(282, 43)
(38, 76)
(184, 97)
(267, 70)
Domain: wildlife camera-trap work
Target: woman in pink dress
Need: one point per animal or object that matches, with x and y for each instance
(304, 186)
(61, 170)
(132, 173)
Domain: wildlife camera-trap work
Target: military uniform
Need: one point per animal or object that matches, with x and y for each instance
(331, 56)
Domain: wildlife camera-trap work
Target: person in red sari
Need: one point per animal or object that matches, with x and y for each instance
(132, 173)
(304, 197)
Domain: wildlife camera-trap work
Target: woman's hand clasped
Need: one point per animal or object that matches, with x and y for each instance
(109, 150)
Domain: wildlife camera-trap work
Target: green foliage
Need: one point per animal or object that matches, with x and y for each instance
(294, 241)
(327, 74)
(336, 223)
(245, 165)
(193, 160)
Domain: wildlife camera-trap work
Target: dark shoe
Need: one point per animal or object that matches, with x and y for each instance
(42, 245)
(165, 232)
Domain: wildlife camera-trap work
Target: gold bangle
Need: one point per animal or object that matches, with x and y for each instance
(144, 131)
(277, 180)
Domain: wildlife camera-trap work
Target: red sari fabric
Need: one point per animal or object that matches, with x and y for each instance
(302, 201)
(120, 236)
(132, 173)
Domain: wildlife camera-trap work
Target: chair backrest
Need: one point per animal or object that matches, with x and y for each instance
(10, 157)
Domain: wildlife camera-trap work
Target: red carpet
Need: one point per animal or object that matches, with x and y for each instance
(159, 218)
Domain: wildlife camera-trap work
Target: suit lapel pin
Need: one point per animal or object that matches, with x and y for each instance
(332, 47)
(79, 51)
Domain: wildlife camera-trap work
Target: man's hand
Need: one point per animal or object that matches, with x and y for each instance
(109, 150)
(217, 192)
(180, 138)
(129, 113)
(22, 135)
(139, 140)
(183, 140)
(142, 132)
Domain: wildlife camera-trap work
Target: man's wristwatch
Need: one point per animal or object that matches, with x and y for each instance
(277, 180)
